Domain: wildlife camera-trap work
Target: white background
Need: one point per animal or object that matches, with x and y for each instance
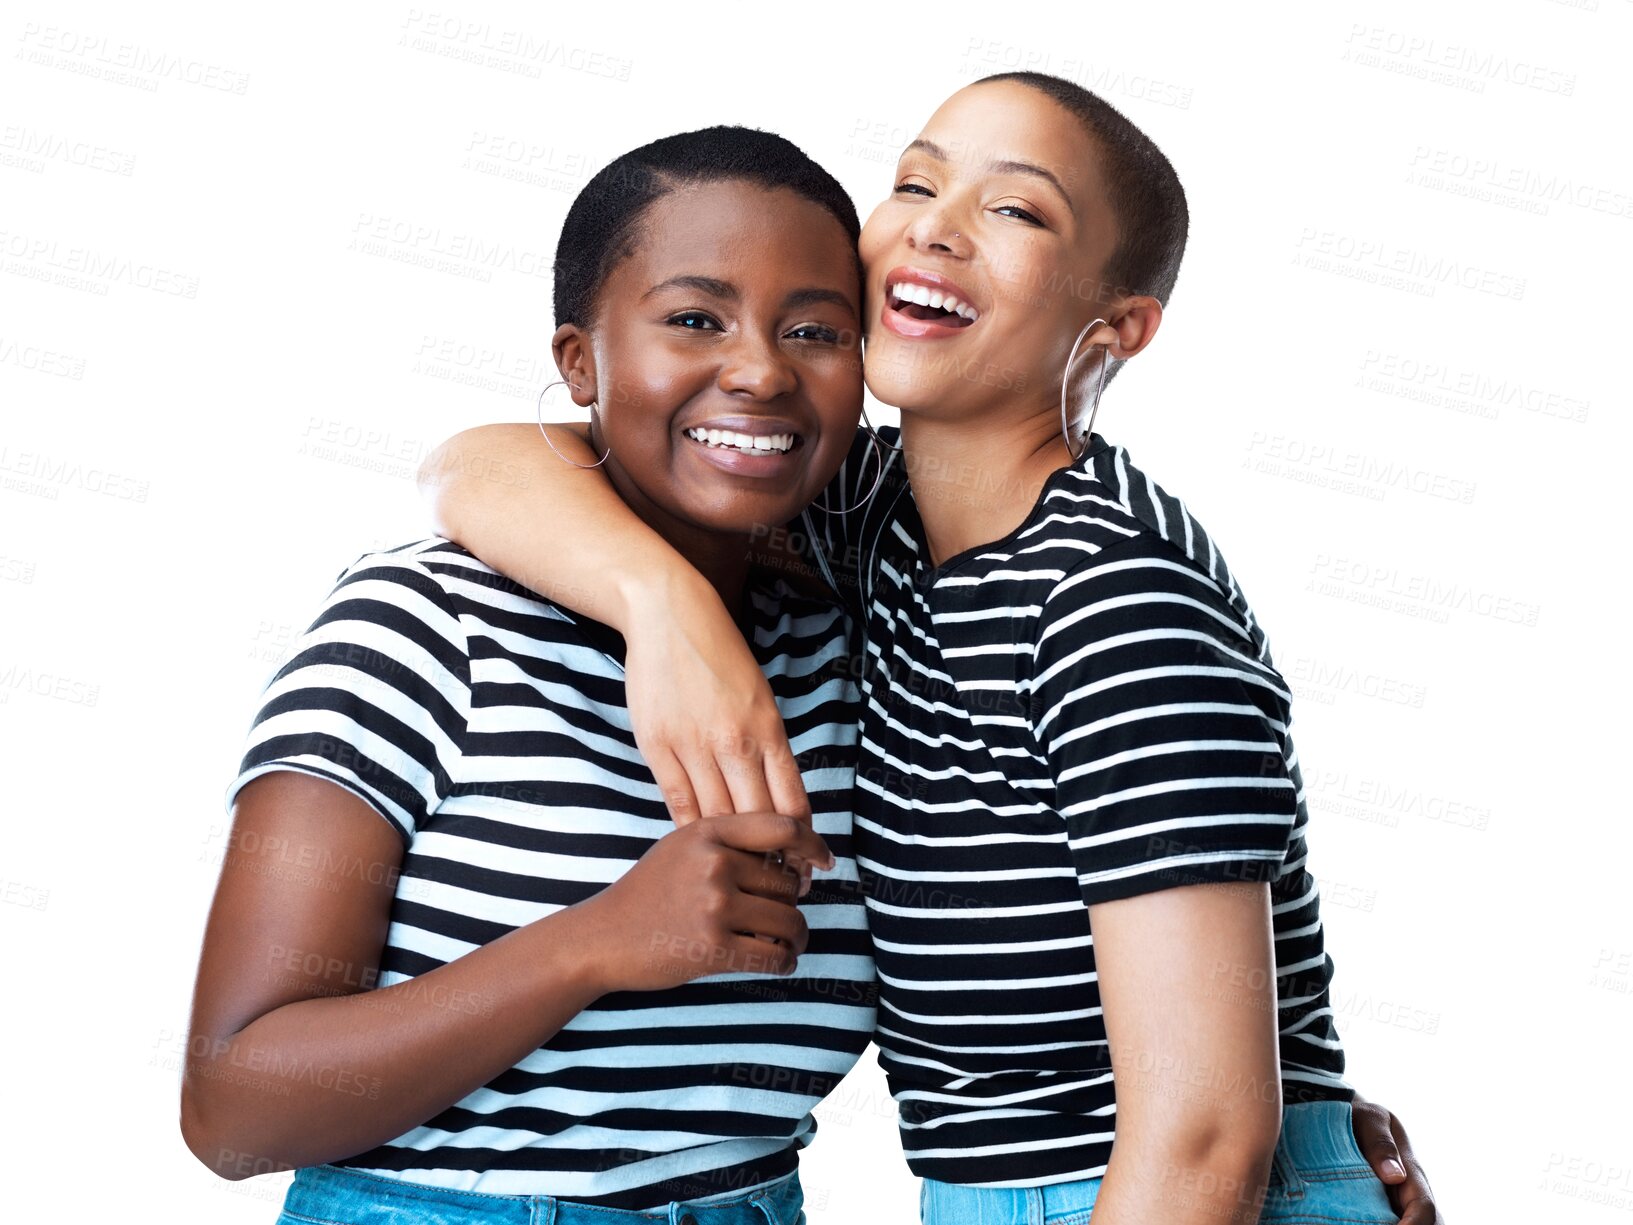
(1390, 382)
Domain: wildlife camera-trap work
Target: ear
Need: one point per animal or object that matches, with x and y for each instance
(1138, 319)
(575, 358)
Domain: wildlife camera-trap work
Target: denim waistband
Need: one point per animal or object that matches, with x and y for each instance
(1320, 1136)
(368, 1199)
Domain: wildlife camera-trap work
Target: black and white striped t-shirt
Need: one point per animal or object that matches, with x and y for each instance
(489, 726)
(1082, 711)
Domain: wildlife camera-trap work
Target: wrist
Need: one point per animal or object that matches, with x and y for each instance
(654, 593)
(586, 971)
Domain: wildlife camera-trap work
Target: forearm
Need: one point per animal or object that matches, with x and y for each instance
(1194, 1056)
(321, 1079)
(502, 493)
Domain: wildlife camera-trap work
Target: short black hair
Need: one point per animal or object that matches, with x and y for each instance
(1143, 188)
(603, 223)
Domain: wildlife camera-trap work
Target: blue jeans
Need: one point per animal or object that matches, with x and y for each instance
(333, 1195)
(1319, 1177)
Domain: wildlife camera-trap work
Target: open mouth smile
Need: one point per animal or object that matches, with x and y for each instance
(748, 444)
(925, 304)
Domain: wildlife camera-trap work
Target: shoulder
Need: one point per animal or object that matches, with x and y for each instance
(1132, 536)
(446, 575)
(407, 576)
(1145, 593)
(388, 608)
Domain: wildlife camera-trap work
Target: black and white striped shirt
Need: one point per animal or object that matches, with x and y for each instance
(1082, 711)
(489, 726)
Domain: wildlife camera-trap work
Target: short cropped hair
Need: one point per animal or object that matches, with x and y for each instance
(1143, 189)
(603, 224)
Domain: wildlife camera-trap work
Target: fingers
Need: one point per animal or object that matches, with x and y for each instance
(675, 787)
(763, 832)
(705, 782)
(787, 789)
(739, 760)
(783, 779)
(1416, 1201)
(750, 955)
(758, 916)
(1377, 1142)
(764, 877)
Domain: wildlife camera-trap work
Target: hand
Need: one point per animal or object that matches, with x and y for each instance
(703, 714)
(712, 897)
(1382, 1138)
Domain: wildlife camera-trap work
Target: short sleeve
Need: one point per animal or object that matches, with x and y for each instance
(832, 532)
(1165, 735)
(375, 696)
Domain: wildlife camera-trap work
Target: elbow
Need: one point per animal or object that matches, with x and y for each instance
(1219, 1156)
(216, 1148)
(437, 471)
(1231, 1149)
(200, 1138)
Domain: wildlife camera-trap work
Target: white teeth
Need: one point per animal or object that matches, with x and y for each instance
(753, 444)
(907, 291)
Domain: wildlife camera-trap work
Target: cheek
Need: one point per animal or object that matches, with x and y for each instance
(1025, 279)
(875, 237)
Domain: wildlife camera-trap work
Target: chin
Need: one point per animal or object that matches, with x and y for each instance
(753, 518)
(908, 390)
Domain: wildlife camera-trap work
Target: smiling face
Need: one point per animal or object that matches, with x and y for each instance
(723, 356)
(985, 261)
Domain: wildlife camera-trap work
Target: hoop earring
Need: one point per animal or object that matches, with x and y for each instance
(868, 421)
(880, 446)
(1066, 377)
(538, 415)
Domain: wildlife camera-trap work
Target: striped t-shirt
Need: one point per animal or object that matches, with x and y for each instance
(489, 727)
(1083, 711)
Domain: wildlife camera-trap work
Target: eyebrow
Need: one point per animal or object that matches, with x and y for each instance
(1002, 166)
(727, 292)
(712, 286)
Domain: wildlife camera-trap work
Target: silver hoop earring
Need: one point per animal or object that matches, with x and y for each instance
(538, 415)
(880, 446)
(1066, 377)
(866, 420)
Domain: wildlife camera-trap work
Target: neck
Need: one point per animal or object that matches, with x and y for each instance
(976, 480)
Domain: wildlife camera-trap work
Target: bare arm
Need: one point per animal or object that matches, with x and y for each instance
(294, 1059)
(1194, 1054)
(702, 711)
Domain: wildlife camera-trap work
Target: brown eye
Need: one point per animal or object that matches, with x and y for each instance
(1011, 210)
(817, 332)
(919, 188)
(695, 321)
